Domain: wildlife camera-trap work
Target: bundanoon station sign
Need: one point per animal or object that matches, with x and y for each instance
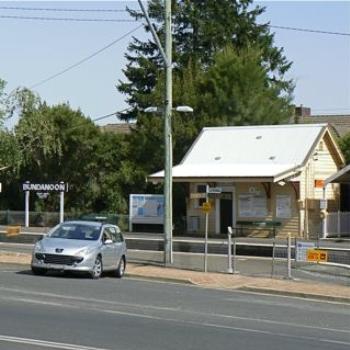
(45, 187)
(28, 187)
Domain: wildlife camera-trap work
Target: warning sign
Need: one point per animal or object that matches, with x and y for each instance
(206, 207)
(316, 255)
(13, 230)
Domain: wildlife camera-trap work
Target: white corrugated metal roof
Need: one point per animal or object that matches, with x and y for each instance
(227, 170)
(248, 151)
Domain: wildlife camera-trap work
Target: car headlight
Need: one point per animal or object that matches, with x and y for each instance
(84, 251)
(38, 248)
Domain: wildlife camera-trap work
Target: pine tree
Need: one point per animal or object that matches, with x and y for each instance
(201, 28)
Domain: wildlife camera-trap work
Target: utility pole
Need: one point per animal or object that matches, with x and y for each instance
(168, 143)
(168, 183)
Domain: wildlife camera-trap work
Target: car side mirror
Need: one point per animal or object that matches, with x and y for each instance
(108, 241)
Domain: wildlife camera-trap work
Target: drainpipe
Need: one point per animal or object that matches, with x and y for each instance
(306, 212)
(324, 212)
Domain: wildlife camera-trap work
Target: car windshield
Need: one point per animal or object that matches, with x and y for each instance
(76, 231)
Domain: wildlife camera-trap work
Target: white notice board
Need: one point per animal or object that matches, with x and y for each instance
(146, 209)
(252, 205)
(301, 250)
(283, 206)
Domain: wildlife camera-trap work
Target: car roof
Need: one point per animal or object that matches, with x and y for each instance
(84, 222)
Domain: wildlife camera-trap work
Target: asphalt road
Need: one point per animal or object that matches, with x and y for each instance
(252, 266)
(79, 313)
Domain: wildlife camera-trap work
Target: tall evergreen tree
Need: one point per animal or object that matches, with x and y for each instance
(201, 28)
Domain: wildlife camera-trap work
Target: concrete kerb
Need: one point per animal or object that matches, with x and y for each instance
(329, 298)
(213, 280)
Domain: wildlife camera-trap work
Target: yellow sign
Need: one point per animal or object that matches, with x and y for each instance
(206, 207)
(13, 230)
(316, 255)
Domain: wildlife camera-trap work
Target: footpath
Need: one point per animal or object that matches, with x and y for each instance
(224, 281)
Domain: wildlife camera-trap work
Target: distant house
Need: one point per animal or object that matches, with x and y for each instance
(268, 175)
(339, 124)
(118, 128)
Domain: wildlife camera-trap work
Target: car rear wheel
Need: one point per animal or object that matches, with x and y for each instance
(38, 271)
(97, 269)
(121, 268)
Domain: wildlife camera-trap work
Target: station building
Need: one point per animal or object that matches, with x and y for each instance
(270, 178)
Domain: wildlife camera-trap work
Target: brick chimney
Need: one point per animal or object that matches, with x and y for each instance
(301, 112)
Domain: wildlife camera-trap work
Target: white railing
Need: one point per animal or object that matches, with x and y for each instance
(338, 224)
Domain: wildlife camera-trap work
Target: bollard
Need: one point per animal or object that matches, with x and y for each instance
(289, 257)
(273, 257)
(229, 247)
(234, 257)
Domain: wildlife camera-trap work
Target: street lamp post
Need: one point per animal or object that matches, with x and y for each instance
(168, 183)
(168, 179)
(167, 58)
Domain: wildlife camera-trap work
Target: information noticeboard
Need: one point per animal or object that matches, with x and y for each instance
(302, 249)
(252, 205)
(283, 206)
(146, 209)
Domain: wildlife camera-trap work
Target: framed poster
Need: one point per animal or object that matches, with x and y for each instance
(146, 209)
(252, 205)
(283, 206)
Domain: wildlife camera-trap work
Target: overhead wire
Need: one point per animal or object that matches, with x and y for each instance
(109, 10)
(67, 19)
(85, 59)
(100, 118)
(309, 30)
(16, 8)
(116, 20)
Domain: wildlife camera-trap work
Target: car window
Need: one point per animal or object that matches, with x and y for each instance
(76, 231)
(117, 236)
(120, 237)
(107, 234)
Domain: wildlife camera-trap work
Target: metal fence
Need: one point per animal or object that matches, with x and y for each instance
(338, 224)
(50, 219)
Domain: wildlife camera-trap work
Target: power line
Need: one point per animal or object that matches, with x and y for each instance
(309, 30)
(16, 8)
(106, 116)
(100, 118)
(40, 18)
(67, 19)
(84, 59)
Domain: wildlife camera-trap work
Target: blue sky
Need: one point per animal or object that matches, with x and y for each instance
(34, 50)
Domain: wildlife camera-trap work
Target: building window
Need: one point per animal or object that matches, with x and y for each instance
(200, 188)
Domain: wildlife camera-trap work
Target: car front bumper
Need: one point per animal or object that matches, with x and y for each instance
(55, 262)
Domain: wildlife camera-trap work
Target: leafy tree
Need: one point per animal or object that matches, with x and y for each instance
(236, 91)
(2, 100)
(344, 144)
(60, 144)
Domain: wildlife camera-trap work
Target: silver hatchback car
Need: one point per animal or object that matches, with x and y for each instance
(84, 246)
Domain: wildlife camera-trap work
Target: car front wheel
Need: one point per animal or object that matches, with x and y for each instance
(97, 269)
(121, 268)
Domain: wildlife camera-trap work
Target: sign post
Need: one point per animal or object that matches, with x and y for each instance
(61, 207)
(206, 207)
(26, 206)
